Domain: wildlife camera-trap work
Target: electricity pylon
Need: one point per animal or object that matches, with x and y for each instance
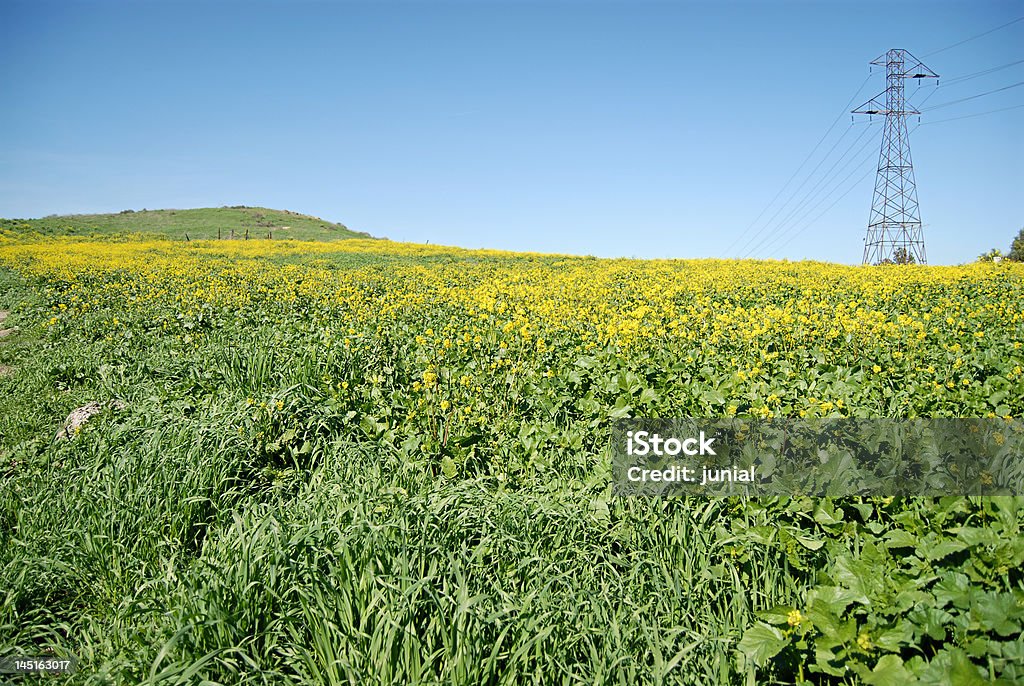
(894, 228)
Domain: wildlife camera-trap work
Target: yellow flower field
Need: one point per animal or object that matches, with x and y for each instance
(771, 330)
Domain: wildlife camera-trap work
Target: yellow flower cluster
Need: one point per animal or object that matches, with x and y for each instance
(753, 330)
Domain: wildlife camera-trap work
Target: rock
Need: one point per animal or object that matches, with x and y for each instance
(80, 416)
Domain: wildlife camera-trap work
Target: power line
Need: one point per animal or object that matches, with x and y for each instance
(794, 216)
(909, 206)
(821, 214)
(856, 162)
(958, 80)
(972, 97)
(787, 235)
(825, 211)
(793, 195)
(928, 97)
(977, 114)
(809, 155)
(983, 72)
(967, 40)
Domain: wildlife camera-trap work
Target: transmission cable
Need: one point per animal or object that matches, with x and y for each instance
(807, 178)
(967, 40)
(834, 202)
(821, 214)
(967, 77)
(812, 193)
(972, 97)
(976, 114)
(858, 162)
(809, 155)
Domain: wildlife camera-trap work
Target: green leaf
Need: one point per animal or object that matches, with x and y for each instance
(999, 612)
(809, 543)
(713, 397)
(943, 549)
(972, 536)
(889, 671)
(954, 589)
(620, 412)
(961, 671)
(853, 575)
(898, 538)
(823, 662)
(834, 599)
(448, 467)
(931, 622)
(777, 615)
(895, 638)
(826, 515)
(761, 642)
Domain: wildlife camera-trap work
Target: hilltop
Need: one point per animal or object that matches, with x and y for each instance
(196, 224)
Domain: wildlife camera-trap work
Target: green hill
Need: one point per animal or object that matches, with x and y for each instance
(197, 224)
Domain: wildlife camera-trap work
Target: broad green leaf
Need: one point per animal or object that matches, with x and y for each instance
(954, 589)
(899, 538)
(889, 671)
(761, 642)
(834, 599)
(895, 638)
(943, 549)
(779, 614)
(448, 467)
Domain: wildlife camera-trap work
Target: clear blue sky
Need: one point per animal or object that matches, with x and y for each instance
(614, 128)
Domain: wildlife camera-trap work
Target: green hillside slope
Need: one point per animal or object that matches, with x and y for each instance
(204, 223)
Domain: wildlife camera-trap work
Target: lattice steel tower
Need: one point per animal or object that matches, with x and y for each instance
(894, 229)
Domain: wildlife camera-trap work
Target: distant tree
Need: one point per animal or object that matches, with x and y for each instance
(993, 255)
(1017, 248)
(899, 256)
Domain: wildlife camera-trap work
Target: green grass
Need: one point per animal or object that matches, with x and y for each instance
(204, 223)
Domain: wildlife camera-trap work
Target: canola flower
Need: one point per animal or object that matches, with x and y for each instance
(561, 341)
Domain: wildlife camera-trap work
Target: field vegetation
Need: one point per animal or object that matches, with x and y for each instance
(237, 221)
(369, 462)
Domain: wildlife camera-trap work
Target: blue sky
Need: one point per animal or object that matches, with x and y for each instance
(648, 129)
